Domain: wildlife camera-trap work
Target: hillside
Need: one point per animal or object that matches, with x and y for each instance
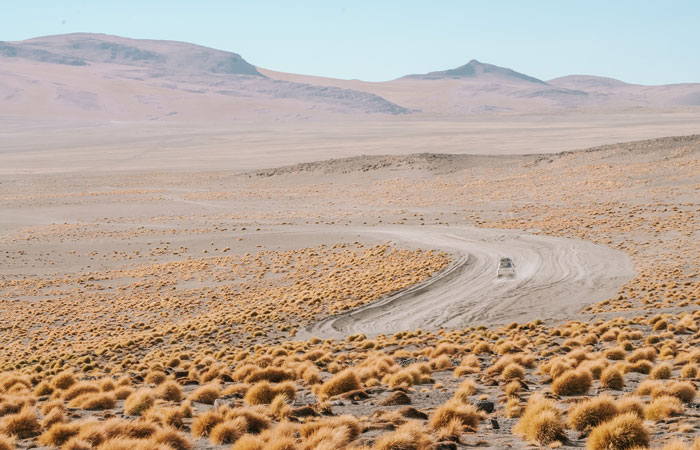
(90, 76)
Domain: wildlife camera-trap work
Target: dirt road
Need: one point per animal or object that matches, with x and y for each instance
(555, 278)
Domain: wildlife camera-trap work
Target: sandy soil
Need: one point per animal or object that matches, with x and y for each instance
(606, 243)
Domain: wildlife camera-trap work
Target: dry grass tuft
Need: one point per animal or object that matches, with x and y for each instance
(229, 431)
(138, 402)
(172, 438)
(612, 378)
(663, 407)
(206, 394)
(623, 432)
(661, 372)
(63, 380)
(6, 443)
(573, 382)
(205, 422)
(409, 436)
(94, 401)
(341, 382)
(21, 425)
(541, 422)
(59, 434)
(262, 393)
(249, 442)
(468, 415)
(169, 390)
(591, 412)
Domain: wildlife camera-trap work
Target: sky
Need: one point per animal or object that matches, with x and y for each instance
(642, 41)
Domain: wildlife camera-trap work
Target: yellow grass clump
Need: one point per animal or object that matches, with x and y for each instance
(169, 390)
(624, 432)
(573, 382)
(263, 392)
(612, 378)
(6, 443)
(206, 394)
(138, 402)
(228, 431)
(22, 425)
(468, 415)
(341, 382)
(663, 407)
(205, 422)
(409, 436)
(541, 421)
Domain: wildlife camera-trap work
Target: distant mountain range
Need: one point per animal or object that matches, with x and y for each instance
(94, 76)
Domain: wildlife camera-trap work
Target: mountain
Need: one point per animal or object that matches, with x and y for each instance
(588, 82)
(81, 49)
(476, 69)
(96, 76)
(102, 77)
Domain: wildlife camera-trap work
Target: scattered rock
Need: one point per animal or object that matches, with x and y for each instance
(303, 411)
(412, 413)
(486, 406)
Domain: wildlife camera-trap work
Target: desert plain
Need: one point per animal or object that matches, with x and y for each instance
(330, 282)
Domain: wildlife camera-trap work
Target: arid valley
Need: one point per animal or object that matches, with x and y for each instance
(178, 272)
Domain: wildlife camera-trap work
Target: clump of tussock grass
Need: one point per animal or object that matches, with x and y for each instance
(690, 371)
(409, 436)
(94, 401)
(80, 388)
(169, 390)
(6, 443)
(573, 382)
(22, 425)
(59, 433)
(612, 378)
(623, 432)
(205, 422)
(661, 371)
(228, 431)
(123, 392)
(591, 412)
(155, 377)
(513, 371)
(43, 388)
(166, 416)
(541, 422)
(630, 404)
(663, 407)
(115, 427)
(341, 382)
(63, 380)
(642, 354)
(262, 393)
(465, 390)
(349, 426)
(470, 364)
(206, 394)
(138, 402)
(468, 415)
(172, 439)
(54, 415)
(682, 390)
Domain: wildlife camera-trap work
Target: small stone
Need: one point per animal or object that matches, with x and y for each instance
(486, 406)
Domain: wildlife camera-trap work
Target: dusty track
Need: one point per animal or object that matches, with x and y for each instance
(555, 279)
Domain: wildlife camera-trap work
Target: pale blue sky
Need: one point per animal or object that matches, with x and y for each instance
(650, 42)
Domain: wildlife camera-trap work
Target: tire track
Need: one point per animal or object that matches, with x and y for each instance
(555, 278)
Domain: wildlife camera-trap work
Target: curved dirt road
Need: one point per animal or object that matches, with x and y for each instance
(555, 278)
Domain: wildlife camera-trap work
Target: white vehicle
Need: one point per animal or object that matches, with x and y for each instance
(506, 268)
